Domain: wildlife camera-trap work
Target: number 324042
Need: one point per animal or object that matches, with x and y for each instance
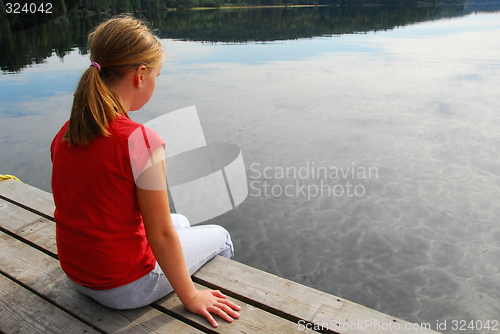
(462, 325)
(17, 8)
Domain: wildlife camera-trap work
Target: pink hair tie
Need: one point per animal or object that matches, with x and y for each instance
(96, 65)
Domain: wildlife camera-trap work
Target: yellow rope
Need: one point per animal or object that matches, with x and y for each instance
(7, 177)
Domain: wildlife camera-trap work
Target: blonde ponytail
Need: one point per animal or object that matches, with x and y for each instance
(118, 46)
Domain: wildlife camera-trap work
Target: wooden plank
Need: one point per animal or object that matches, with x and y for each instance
(31, 197)
(5, 240)
(43, 274)
(28, 225)
(24, 312)
(294, 301)
(282, 297)
(252, 319)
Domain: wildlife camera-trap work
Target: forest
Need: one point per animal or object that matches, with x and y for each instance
(119, 6)
(137, 5)
(22, 45)
(31, 13)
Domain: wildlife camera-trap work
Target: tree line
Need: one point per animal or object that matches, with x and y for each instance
(22, 48)
(24, 19)
(117, 6)
(61, 35)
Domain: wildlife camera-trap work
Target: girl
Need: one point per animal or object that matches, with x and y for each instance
(117, 241)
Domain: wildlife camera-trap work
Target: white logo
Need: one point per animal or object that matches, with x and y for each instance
(205, 181)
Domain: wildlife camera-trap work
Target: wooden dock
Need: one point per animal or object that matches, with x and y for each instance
(35, 296)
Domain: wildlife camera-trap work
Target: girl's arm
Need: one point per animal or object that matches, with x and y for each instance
(166, 246)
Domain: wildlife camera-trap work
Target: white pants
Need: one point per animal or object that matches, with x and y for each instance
(199, 245)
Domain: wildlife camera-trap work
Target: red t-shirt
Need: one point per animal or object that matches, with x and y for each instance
(100, 234)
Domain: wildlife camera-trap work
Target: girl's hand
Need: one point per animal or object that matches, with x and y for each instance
(213, 301)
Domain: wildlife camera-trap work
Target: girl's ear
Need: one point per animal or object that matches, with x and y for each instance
(140, 76)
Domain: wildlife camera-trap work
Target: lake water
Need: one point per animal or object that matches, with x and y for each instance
(373, 158)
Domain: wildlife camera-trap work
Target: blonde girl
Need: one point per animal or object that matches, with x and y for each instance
(116, 239)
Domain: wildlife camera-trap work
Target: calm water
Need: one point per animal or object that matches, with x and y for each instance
(372, 158)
